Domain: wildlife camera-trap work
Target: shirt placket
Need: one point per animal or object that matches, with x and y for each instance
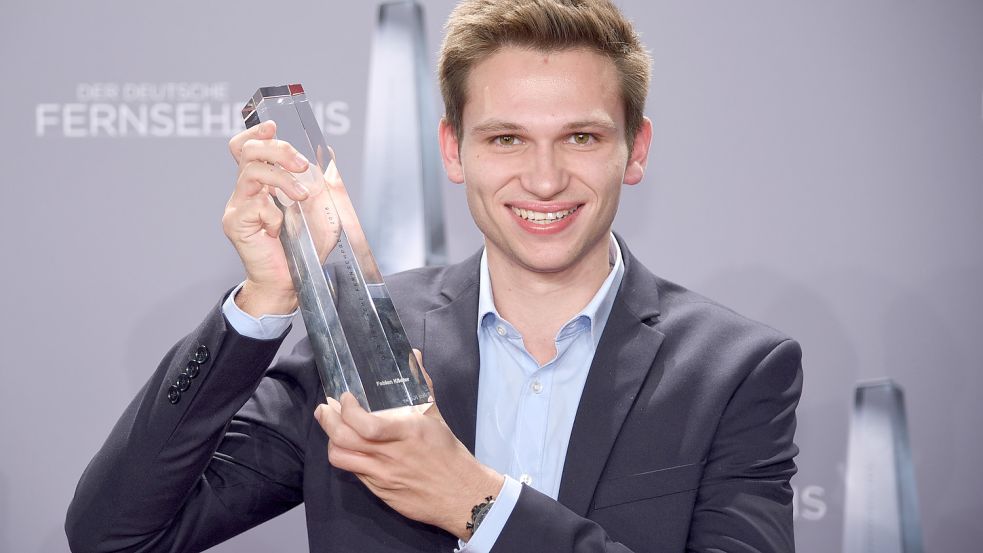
(531, 427)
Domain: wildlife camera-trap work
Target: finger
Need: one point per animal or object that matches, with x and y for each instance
(353, 461)
(327, 417)
(332, 178)
(432, 410)
(319, 154)
(426, 376)
(369, 426)
(269, 216)
(256, 176)
(264, 130)
(333, 403)
(338, 432)
(277, 152)
(244, 218)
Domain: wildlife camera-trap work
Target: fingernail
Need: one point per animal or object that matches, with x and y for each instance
(300, 188)
(300, 161)
(333, 403)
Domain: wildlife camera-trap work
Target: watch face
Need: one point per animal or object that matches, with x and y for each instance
(482, 513)
(478, 514)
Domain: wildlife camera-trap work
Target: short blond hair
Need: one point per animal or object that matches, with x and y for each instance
(476, 29)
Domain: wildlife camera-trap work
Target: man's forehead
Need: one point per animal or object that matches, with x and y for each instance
(518, 86)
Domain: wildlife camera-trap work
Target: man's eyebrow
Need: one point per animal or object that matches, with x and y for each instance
(500, 126)
(605, 124)
(495, 126)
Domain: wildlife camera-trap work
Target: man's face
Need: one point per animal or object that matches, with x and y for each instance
(543, 155)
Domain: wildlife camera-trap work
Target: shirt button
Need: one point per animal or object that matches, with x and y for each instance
(501, 330)
(536, 387)
(526, 479)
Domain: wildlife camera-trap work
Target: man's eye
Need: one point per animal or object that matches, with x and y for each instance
(582, 138)
(506, 140)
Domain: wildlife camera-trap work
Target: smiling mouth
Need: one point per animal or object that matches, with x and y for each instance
(543, 217)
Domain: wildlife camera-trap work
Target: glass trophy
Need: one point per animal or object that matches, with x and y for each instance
(358, 341)
(400, 202)
(881, 511)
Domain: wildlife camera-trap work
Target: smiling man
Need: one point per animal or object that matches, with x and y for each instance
(542, 151)
(582, 403)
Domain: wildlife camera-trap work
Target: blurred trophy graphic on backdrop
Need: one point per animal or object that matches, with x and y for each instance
(402, 206)
(358, 341)
(881, 512)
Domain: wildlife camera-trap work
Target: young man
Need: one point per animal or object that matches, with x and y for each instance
(584, 404)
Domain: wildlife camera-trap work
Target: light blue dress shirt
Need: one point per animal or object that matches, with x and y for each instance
(525, 411)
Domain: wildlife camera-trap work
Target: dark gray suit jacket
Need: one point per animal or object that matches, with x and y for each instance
(682, 439)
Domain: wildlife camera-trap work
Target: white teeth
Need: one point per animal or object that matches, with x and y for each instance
(541, 217)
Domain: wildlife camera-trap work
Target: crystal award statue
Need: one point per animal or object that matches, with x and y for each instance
(401, 202)
(881, 508)
(358, 341)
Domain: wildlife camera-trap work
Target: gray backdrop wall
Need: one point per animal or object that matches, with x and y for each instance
(817, 166)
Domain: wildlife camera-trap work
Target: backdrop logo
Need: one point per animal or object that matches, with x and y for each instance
(808, 503)
(168, 109)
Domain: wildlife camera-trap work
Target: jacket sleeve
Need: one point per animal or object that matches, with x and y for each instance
(208, 449)
(744, 500)
(744, 504)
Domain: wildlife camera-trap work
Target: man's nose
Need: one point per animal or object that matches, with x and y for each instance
(545, 177)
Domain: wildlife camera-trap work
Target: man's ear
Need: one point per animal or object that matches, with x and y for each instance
(450, 151)
(638, 159)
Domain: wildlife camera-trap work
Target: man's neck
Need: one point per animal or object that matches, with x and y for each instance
(539, 303)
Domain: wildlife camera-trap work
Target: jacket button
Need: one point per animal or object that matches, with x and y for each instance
(192, 369)
(200, 355)
(183, 382)
(173, 394)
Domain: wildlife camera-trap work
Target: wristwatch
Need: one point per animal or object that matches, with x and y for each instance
(478, 514)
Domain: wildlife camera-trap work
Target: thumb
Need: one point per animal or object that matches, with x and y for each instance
(432, 410)
(419, 363)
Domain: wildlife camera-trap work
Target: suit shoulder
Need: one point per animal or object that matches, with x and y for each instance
(685, 311)
(417, 290)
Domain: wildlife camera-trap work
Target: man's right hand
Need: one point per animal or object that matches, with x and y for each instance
(252, 222)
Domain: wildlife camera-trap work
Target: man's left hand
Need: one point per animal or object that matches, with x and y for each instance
(410, 460)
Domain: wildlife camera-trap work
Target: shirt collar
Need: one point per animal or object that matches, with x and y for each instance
(597, 309)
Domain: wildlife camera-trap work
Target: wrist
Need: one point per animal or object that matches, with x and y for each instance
(256, 300)
(475, 503)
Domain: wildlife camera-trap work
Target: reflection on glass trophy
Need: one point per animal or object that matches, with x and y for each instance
(881, 514)
(358, 341)
(401, 206)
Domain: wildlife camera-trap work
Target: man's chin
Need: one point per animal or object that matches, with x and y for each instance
(547, 263)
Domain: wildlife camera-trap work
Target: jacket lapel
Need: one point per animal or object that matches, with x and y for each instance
(624, 357)
(450, 353)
